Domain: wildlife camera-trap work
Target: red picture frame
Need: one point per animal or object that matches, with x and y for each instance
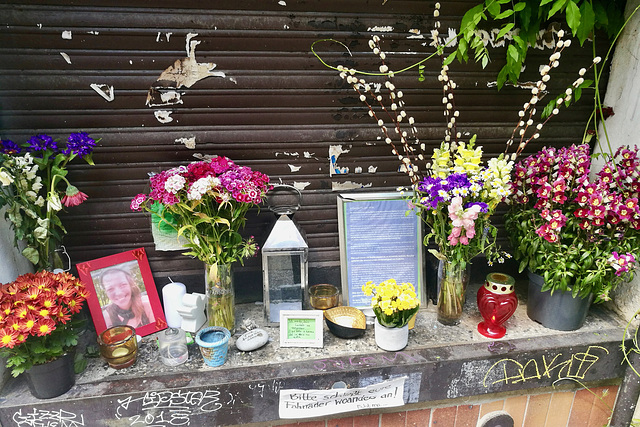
(123, 292)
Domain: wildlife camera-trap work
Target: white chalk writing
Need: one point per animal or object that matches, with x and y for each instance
(170, 408)
(45, 418)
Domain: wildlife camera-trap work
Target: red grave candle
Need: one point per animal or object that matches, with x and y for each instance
(497, 302)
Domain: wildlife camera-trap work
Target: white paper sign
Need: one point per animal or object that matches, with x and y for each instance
(313, 403)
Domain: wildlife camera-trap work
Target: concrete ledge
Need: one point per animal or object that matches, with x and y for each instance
(440, 363)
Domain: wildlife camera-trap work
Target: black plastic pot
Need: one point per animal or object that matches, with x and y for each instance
(53, 378)
(560, 311)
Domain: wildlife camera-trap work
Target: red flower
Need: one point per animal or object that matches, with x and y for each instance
(73, 197)
(45, 327)
(8, 337)
(28, 324)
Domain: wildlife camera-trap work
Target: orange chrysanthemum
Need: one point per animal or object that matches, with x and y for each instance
(27, 324)
(45, 327)
(8, 337)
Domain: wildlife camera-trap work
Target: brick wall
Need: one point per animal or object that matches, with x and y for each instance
(582, 408)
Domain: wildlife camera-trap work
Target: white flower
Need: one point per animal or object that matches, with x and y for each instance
(597, 60)
(53, 202)
(174, 183)
(555, 111)
(384, 68)
(546, 78)
(561, 33)
(567, 43)
(582, 71)
(5, 178)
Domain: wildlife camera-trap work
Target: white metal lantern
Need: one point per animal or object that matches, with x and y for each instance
(284, 268)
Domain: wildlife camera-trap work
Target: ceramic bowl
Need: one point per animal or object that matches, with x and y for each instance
(345, 322)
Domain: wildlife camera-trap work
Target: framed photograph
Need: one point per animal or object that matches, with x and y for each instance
(380, 239)
(301, 328)
(123, 292)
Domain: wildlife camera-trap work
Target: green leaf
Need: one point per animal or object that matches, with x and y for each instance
(502, 76)
(519, 6)
(31, 254)
(449, 59)
(470, 20)
(505, 29)
(513, 53)
(587, 22)
(543, 2)
(573, 16)
(557, 6)
(493, 8)
(602, 19)
(507, 13)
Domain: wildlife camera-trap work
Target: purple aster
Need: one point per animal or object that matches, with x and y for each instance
(40, 143)
(484, 208)
(79, 143)
(9, 147)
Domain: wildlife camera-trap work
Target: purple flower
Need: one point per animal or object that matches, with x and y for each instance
(40, 143)
(458, 180)
(9, 147)
(79, 143)
(484, 208)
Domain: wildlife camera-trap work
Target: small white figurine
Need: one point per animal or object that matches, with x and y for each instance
(192, 311)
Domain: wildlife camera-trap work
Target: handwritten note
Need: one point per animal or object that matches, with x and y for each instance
(301, 329)
(312, 403)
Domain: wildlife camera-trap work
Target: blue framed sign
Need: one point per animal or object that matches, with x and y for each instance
(379, 240)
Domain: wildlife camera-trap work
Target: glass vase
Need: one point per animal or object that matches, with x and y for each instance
(452, 285)
(220, 296)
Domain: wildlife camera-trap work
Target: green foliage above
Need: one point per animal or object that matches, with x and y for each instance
(520, 24)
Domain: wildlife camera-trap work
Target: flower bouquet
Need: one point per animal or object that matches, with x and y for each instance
(31, 175)
(581, 234)
(206, 202)
(394, 305)
(456, 201)
(36, 318)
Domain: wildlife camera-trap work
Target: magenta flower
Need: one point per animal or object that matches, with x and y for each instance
(137, 201)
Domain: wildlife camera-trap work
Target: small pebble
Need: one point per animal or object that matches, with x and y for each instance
(252, 340)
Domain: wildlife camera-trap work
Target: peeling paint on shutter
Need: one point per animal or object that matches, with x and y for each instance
(161, 83)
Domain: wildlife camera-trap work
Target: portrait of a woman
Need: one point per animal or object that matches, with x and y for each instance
(127, 305)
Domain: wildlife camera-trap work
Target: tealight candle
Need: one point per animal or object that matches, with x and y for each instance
(118, 346)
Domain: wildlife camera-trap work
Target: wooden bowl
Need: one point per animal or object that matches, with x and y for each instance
(345, 322)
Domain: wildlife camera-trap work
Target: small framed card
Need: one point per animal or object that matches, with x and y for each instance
(301, 328)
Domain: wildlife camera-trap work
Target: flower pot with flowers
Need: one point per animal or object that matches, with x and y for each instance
(579, 234)
(206, 202)
(394, 305)
(31, 175)
(39, 330)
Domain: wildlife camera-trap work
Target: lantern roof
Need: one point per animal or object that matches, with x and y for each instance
(285, 235)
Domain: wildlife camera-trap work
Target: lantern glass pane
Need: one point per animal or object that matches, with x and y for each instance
(285, 284)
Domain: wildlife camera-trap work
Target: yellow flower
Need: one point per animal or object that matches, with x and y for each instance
(441, 161)
(467, 160)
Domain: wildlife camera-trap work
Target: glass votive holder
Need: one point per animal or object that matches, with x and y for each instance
(323, 296)
(172, 344)
(118, 346)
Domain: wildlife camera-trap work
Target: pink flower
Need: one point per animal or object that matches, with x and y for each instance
(137, 201)
(73, 197)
